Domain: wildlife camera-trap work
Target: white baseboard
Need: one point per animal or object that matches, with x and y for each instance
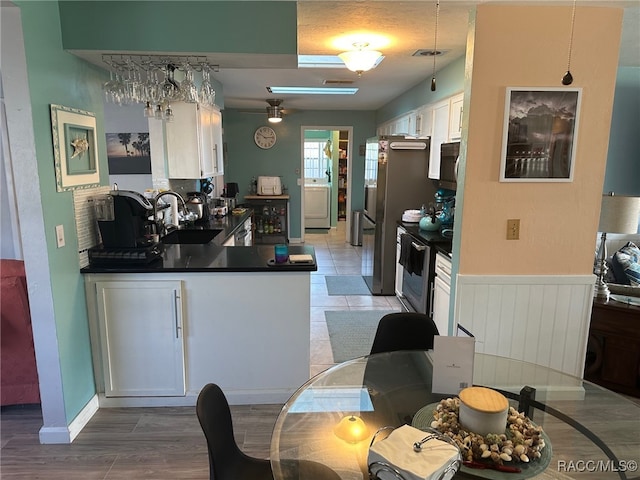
(234, 397)
(66, 435)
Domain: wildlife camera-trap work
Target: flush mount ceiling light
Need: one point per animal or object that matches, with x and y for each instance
(360, 60)
(274, 110)
(313, 90)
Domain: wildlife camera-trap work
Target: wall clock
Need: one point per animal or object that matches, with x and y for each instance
(265, 137)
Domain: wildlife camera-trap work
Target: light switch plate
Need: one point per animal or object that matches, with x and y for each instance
(513, 229)
(60, 236)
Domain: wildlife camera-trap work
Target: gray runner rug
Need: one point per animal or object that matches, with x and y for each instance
(351, 332)
(346, 285)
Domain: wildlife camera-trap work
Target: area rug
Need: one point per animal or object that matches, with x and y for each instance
(351, 332)
(346, 285)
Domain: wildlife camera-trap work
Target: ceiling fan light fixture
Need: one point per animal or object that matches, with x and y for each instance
(360, 60)
(274, 111)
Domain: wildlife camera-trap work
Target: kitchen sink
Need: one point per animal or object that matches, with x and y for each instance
(190, 236)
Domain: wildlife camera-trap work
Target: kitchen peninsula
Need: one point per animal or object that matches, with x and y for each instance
(201, 313)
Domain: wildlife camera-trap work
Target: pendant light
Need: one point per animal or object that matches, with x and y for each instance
(435, 48)
(274, 110)
(567, 79)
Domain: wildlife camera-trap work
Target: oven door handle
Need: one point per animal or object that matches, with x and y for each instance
(419, 248)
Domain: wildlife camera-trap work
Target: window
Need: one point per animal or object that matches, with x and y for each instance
(315, 160)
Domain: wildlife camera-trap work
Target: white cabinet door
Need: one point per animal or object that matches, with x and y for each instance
(455, 117)
(424, 121)
(441, 293)
(194, 141)
(439, 135)
(141, 336)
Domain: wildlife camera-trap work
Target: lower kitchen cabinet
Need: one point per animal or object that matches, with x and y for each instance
(141, 336)
(442, 294)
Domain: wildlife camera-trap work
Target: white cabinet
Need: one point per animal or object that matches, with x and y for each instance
(141, 337)
(441, 293)
(424, 121)
(439, 135)
(194, 142)
(455, 117)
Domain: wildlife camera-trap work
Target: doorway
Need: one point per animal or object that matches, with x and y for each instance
(326, 178)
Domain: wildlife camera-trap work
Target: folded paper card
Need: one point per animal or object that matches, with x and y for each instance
(429, 462)
(452, 364)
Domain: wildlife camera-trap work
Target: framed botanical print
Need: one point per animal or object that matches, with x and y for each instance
(75, 148)
(539, 135)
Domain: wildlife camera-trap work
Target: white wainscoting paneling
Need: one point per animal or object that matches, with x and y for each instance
(539, 319)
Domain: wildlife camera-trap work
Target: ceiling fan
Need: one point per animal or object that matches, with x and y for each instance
(274, 111)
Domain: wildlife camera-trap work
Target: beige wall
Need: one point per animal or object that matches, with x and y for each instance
(520, 46)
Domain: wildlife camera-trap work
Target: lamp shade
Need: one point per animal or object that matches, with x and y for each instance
(619, 214)
(360, 60)
(351, 429)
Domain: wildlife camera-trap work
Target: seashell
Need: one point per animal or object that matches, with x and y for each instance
(484, 447)
(495, 456)
(519, 449)
(507, 450)
(486, 454)
(524, 458)
(435, 424)
(505, 457)
(494, 447)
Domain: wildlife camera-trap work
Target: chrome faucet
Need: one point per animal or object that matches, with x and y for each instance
(182, 203)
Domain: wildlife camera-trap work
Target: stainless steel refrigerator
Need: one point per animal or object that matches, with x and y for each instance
(396, 179)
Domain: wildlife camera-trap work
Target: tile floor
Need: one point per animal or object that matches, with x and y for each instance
(335, 257)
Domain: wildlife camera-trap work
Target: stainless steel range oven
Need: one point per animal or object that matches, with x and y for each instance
(417, 275)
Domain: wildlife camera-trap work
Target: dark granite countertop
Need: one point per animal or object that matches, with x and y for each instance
(213, 257)
(442, 244)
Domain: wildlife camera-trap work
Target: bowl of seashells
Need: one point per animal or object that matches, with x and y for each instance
(523, 449)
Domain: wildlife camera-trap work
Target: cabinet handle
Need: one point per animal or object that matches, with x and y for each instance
(418, 247)
(176, 304)
(215, 154)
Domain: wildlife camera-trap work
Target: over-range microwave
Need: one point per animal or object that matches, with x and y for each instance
(449, 154)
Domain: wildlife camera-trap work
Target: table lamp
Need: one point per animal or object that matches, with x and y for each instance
(618, 214)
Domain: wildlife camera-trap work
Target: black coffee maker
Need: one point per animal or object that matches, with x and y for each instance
(123, 219)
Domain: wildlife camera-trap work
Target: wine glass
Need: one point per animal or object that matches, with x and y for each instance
(207, 93)
(187, 86)
(170, 89)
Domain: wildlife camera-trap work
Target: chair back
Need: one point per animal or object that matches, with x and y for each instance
(404, 331)
(215, 419)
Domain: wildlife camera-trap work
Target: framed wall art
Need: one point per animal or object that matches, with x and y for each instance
(75, 148)
(128, 153)
(539, 136)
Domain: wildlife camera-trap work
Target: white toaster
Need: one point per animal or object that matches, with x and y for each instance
(269, 186)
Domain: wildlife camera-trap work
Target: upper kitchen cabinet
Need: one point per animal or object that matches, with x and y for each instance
(194, 142)
(455, 117)
(439, 135)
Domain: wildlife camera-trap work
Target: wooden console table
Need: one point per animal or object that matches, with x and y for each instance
(613, 350)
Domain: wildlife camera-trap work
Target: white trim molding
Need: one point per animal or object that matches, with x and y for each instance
(542, 319)
(67, 434)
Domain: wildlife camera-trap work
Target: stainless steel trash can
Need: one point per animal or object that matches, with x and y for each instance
(356, 228)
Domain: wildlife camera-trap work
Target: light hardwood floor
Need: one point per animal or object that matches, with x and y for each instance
(167, 443)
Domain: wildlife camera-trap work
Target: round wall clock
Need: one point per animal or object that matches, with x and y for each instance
(265, 137)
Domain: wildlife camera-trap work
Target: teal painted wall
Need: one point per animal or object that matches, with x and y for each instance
(180, 26)
(60, 78)
(243, 159)
(448, 82)
(623, 160)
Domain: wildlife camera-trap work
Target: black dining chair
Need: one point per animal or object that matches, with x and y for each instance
(404, 331)
(226, 460)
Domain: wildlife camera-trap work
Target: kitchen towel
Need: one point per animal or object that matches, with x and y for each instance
(410, 258)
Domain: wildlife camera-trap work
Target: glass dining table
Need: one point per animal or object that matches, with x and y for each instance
(591, 433)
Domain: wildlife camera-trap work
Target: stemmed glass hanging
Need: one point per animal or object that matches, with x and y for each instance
(187, 87)
(170, 88)
(207, 93)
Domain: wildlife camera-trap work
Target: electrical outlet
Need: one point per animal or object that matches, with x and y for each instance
(513, 229)
(60, 236)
